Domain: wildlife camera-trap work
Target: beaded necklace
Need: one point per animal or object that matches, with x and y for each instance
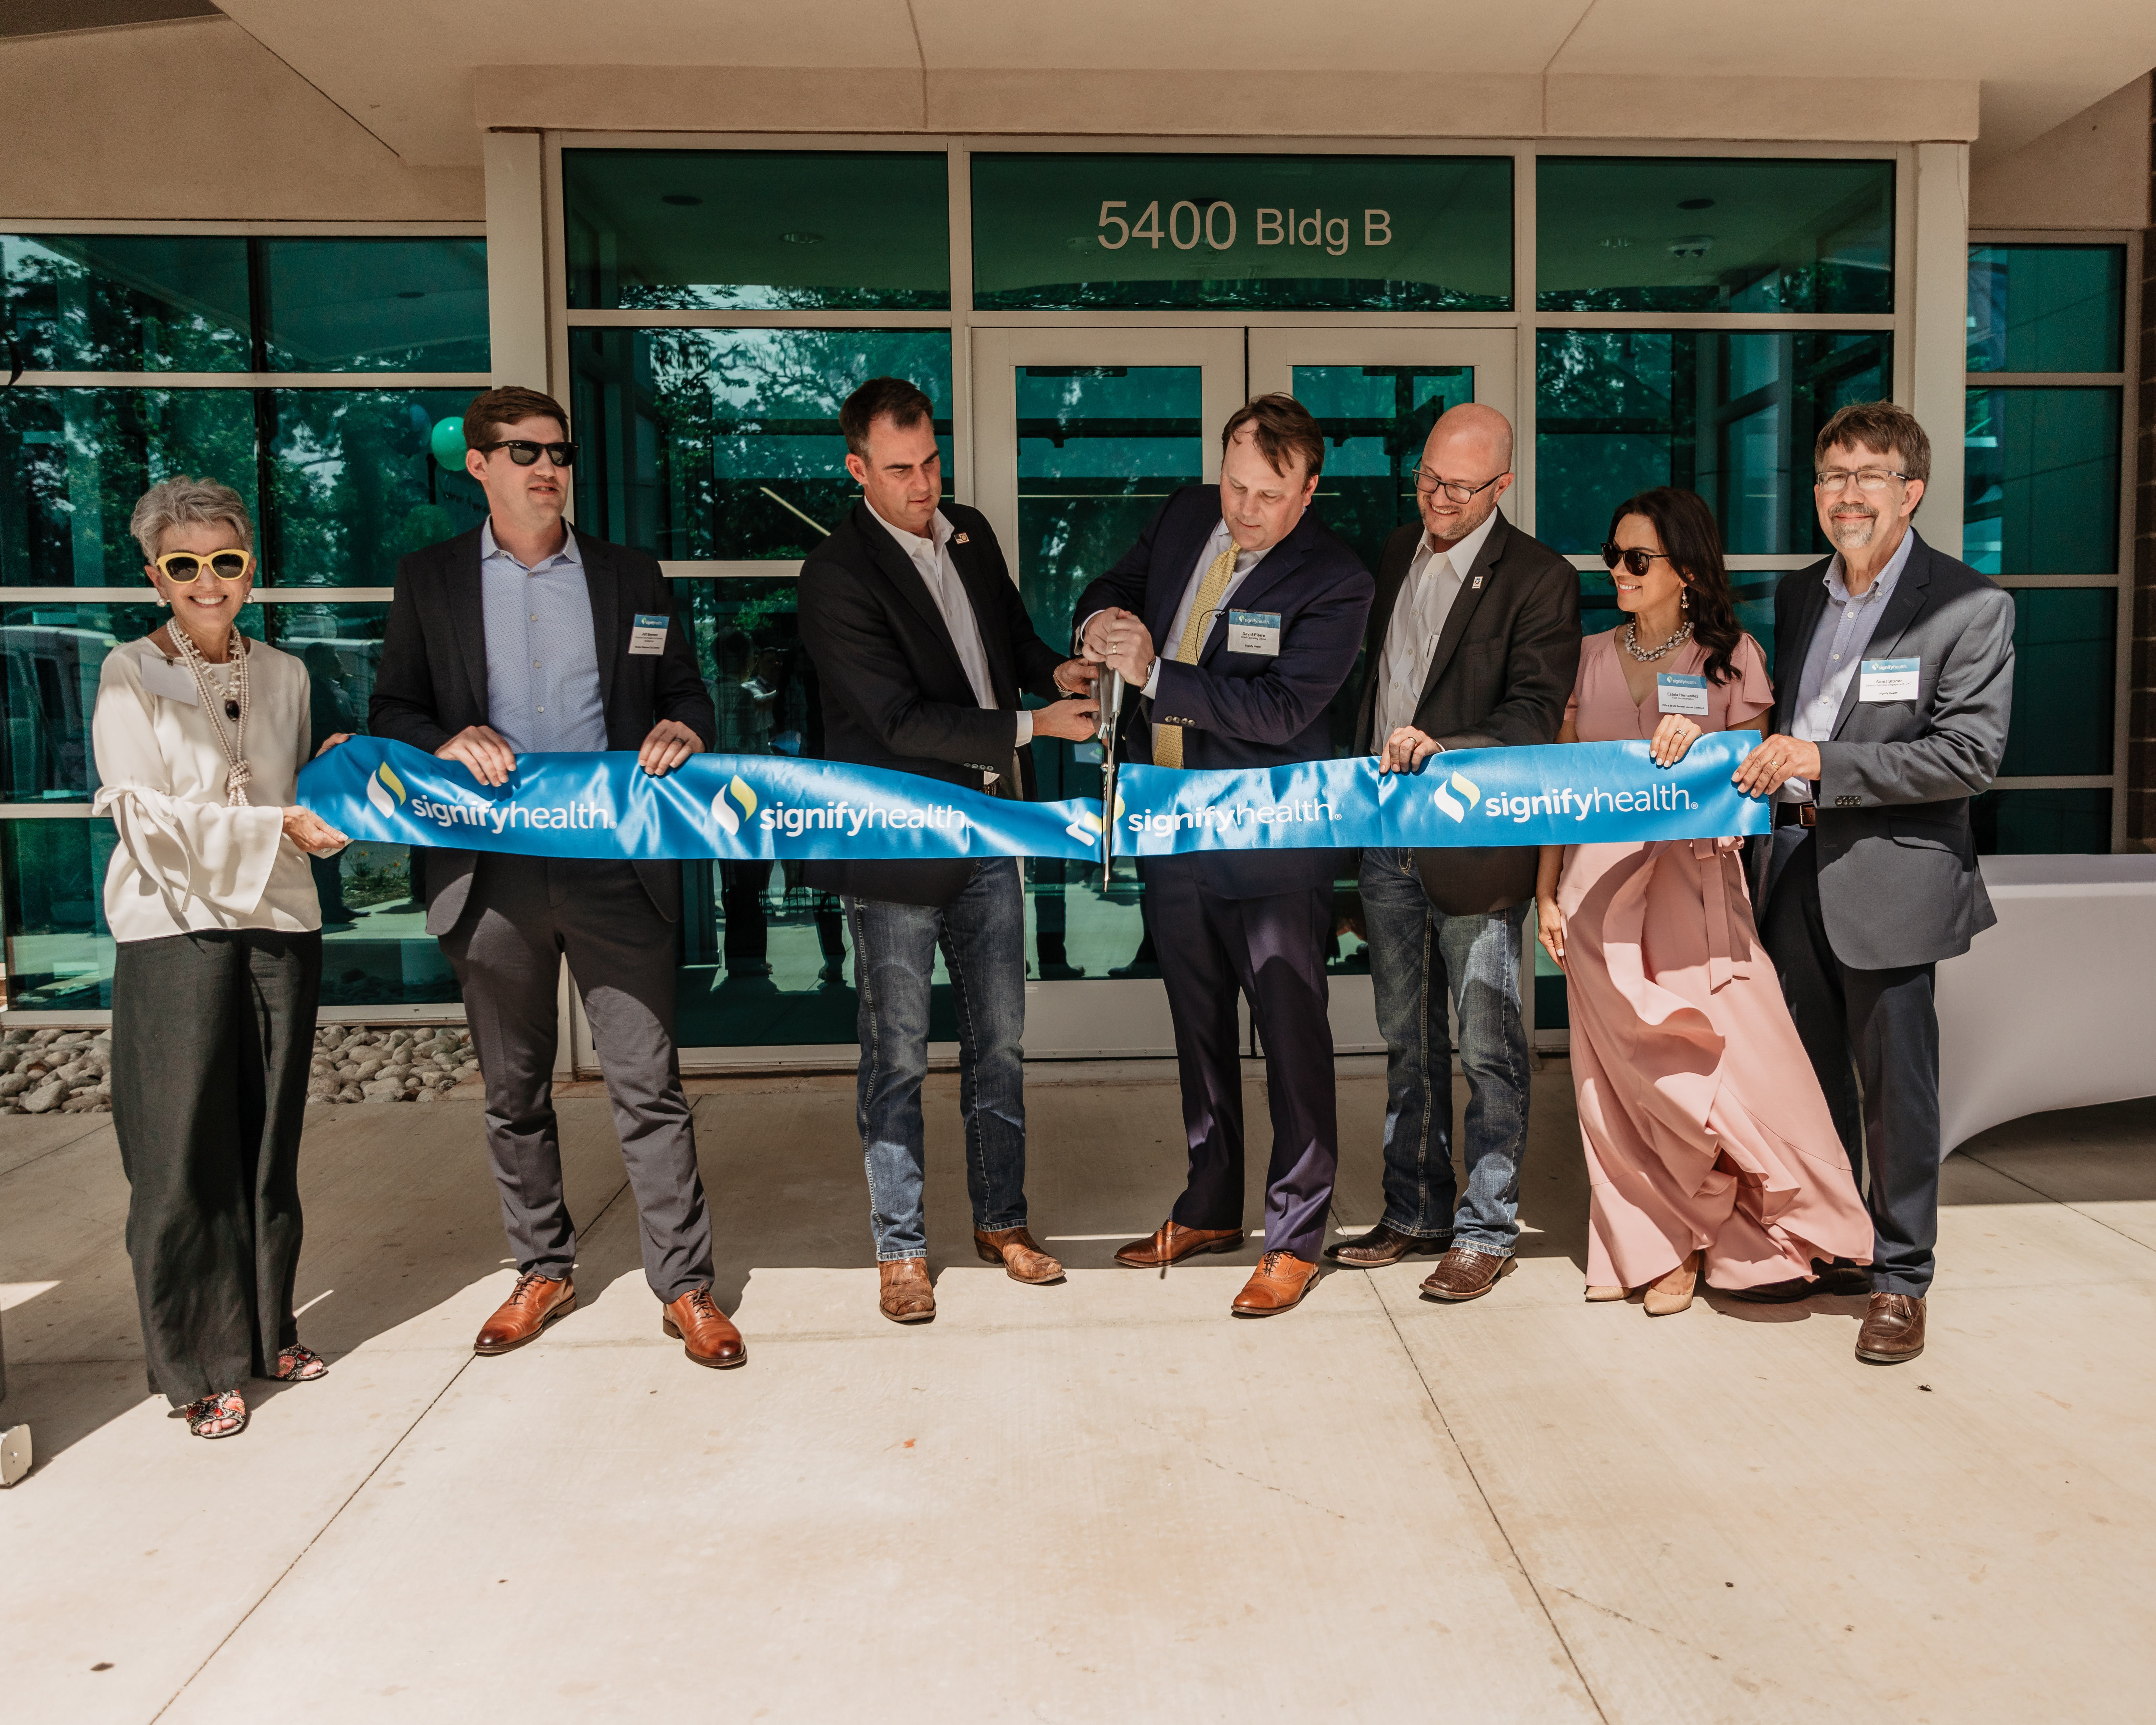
(239, 774)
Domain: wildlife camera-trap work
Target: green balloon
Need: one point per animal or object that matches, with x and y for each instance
(447, 441)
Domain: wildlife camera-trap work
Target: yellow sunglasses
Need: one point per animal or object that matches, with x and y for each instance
(231, 564)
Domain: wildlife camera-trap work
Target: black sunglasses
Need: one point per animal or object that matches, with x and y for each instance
(526, 454)
(1636, 558)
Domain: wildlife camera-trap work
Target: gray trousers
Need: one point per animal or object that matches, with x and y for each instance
(524, 914)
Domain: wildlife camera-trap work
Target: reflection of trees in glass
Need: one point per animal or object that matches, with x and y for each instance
(135, 302)
(748, 643)
(354, 486)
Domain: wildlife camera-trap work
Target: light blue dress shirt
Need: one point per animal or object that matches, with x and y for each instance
(542, 662)
(1844, 631)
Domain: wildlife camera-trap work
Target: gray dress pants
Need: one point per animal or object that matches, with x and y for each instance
(524, 914)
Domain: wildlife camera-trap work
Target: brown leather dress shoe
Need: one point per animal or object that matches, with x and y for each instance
(906, 1297)
(535, 1302)
(1015, 1250)
(1383, 1245)
(1278, 1283)
(1464, 1273)
(706, 1334)
(1893, 1329)
(1171, 1243)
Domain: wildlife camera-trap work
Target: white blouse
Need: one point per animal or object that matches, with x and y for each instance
(186, 861)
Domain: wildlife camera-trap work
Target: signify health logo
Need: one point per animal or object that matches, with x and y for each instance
(737, 804)
(1088, 827)
(1561, 803)
(382, 786)
(1231, 816)
(736, 794)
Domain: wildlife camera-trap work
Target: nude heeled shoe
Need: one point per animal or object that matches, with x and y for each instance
(1597, 1294)
(1673, 1293)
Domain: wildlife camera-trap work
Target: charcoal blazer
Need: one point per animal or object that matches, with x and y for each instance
(1504, 668)
(1241, 709)
(1898, 882)
(894, 692)
(431, 683)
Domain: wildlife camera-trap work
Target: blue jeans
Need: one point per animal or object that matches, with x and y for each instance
(1419, 956)
(983, 935)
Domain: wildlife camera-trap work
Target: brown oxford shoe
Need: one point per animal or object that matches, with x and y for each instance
(1464, 1273)
(1383, 1245)
(1277, 1284)
(1015, 1249)
(1171, 1243)
(906, 1297)
(535, 1302)
(706, 1334)
(1893, 1329)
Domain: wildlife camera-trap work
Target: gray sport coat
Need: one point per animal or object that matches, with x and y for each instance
(1897, 875)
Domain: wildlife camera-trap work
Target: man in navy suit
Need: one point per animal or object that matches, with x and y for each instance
(1252, 920)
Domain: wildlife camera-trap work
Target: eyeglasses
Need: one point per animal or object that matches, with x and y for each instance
(1868, 478)
(184, 565)
(1459, 490)
(526, 454)
(1634, 558)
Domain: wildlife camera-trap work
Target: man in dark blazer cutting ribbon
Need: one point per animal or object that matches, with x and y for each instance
(526, 636)
(1237, 616)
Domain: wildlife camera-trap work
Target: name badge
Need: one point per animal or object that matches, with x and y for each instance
(175, 682)
(649, 634)
(1255, 632)
(1677, 693)
(1887, 679)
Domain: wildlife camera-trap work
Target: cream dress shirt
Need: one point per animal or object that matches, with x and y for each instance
(1420, 610)
(184, 861)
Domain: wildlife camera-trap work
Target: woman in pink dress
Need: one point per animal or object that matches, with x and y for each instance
(1708, 1139)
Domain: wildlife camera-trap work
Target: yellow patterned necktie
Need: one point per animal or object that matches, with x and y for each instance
(1167, 739)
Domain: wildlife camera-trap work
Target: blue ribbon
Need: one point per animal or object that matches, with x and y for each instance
(1570, 794)
(738, 808)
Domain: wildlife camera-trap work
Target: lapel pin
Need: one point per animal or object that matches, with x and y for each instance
(1476, 582)
(959, 540)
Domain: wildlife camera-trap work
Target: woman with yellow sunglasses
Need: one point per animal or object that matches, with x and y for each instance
(200, 733)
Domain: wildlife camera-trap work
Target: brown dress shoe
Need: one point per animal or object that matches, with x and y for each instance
(1171, 1243)
(1464, 1273)
(1893, 1329)
(906, 1297)
(535, 1302)
(1383, 1245)
(706, 1334)
(1278, 1283)
(1015, 1250)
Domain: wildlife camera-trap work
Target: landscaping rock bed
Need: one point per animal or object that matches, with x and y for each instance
(56, 1071)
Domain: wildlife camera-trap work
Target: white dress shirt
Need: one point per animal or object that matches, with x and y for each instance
(184, 861)
(931, 557)
(1215, 543)
(1844, 629)
(1433, 580)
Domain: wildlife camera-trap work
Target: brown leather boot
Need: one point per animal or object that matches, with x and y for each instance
(1893, 1329)
(906, 1297)
(535, 1302)
(1465, 1274)
(1015, 1249)
(1277, 1284)
(1385, 1244)
(1171, 1243)
(706, 1334)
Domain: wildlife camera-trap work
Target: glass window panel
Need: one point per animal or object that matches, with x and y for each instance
(384, 305)
(1731, 414)
(1299, 233)
(354, 484)
(2025, 823)
(2065, 660)
(2046, 308)
(376, 949)
(757, 230)
(723, 444)
(52, 888)
(1677, 233)
(79, 459)
(126, 302)
(1751, 590)
(2041, 479)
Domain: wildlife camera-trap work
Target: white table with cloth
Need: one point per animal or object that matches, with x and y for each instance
(2056, 1006)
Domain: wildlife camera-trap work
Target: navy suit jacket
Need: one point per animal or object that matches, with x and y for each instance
(1242, 709)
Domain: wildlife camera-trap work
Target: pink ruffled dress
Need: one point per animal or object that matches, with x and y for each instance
(1702, 1123)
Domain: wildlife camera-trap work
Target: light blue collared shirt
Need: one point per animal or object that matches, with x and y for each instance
(1844, 631)
(542, 662)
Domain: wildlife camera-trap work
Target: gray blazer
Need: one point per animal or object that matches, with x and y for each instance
(1897, 874)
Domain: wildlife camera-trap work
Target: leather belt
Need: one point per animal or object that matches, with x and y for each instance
(1796, 814)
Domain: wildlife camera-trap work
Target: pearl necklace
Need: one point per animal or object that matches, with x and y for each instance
(1651, 655)
(239, 774)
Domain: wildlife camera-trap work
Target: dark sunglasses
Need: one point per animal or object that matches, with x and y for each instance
(1635, 558)
(526, 455)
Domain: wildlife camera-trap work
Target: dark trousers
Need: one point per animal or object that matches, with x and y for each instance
(212, 1032)
(1873, 1036)
(524, 914)
(1271, 950)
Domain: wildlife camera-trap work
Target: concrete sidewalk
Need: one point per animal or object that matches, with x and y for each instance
(1106, 1500)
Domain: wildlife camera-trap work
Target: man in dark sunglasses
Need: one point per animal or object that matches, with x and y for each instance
(526, 636)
